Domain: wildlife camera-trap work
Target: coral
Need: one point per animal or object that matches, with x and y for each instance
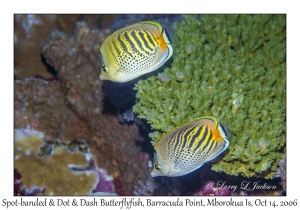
(17, 182)
(41, 105)
(146, 189)
(31, 30)
(118, 184)
(54, 172)
(76, 60)
(127, 117)
(33, 191)
(282, 173)
(209, 189)
(99, 21)
(106, 183)
(162, 187)
(232, 67)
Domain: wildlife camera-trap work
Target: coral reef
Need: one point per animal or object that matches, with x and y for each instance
(31, 31)
(163, 187)
(118, 185)
(232, 67)
(71, 107)
(41, 105)
(146, 189)
(106, 184)
(54, 172)
(17, 182)
(80, 114)
(282, 173)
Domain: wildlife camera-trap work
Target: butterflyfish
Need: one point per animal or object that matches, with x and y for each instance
(134, 51)
(186, 148)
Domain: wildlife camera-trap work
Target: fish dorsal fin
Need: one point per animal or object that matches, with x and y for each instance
(158, 25)
(186, 125)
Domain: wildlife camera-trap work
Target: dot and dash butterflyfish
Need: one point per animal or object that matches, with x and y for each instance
(186, 148)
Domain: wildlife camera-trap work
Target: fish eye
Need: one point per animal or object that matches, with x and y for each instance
(104, 69)
(157, 166)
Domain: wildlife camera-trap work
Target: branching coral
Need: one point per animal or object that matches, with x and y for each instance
(232, 67)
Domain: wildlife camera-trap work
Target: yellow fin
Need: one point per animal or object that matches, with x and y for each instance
(204, 117)
(158, 25)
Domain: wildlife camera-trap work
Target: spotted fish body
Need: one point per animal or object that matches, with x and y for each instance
(188, 147)
(134, 50)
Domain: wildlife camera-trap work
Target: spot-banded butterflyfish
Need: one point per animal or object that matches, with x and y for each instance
(134, 51)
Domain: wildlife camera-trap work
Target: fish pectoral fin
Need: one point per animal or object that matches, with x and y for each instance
(175, 170)
(120, 74)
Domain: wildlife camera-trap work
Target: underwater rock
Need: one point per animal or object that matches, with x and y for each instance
(146, 189)
(40, 105)
(17, 182)
(33, 191)
(161, 187)
(232, 67)
(31, 31)
(76, 60)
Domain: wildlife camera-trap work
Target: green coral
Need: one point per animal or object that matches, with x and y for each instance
(232, 67)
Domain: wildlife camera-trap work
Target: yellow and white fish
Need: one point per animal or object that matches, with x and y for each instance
(186, 148)
(134, 50)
